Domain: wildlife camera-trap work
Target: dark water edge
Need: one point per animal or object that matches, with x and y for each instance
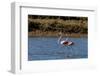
(57, 59)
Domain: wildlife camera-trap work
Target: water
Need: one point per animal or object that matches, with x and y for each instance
(47, 48)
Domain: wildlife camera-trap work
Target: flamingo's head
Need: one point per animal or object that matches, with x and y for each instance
(60, 34)
(66, 34)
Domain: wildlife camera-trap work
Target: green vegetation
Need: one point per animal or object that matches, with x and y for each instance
(43, 25)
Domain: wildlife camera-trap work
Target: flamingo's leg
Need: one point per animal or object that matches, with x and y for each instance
(70, 51)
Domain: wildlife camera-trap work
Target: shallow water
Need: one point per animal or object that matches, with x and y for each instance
(47, 48)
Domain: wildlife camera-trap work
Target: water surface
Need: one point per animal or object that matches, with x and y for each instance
(47, 48)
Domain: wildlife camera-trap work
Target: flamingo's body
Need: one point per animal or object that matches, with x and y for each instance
(65, 42)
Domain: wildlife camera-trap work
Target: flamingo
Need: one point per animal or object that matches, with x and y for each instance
(64, 42)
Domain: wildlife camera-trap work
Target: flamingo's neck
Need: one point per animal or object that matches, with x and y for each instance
(60, 38)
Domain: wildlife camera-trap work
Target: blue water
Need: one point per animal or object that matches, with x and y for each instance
(47, 48)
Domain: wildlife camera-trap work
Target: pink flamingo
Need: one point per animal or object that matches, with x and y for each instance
(64, 42)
